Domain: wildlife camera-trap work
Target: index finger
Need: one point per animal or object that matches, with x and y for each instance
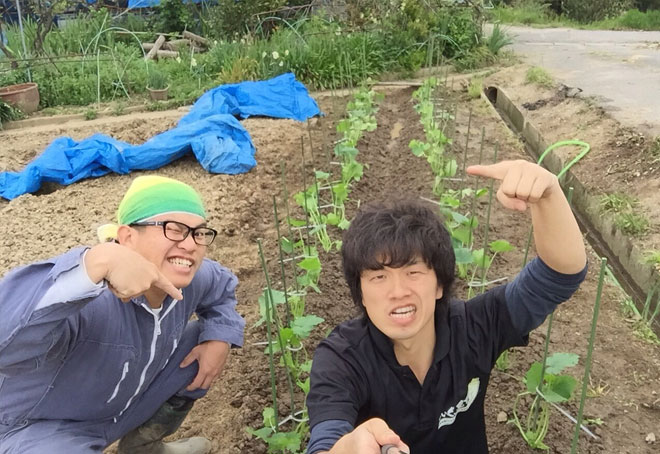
(496, 171)
(164, 284)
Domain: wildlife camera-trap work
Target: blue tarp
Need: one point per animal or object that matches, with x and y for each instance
(210, 130)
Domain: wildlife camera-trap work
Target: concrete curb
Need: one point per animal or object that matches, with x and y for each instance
(622, 254)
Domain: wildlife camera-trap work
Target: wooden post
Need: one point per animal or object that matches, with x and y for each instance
(167, 54)
(196, 38)
(175, 44)
(157, 45)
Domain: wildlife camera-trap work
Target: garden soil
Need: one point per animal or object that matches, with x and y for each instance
(624, 386)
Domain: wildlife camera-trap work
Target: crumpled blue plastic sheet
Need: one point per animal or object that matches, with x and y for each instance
(210, 130)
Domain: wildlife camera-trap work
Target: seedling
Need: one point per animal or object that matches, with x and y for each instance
(278, 441)
(504, 361)
(544, 387)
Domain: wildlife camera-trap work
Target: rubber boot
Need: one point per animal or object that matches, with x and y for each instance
(148, 438)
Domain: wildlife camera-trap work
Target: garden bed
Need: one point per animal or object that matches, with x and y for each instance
(625, 384)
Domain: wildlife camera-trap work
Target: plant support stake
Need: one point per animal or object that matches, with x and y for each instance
(590, 349)
(269, 334)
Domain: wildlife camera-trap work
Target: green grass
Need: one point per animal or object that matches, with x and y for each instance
(529, 12)
(538, 76)
(626, 218)
(617, 202)
(475, 87)
(538, 14)
(498, 39)
(632, 223)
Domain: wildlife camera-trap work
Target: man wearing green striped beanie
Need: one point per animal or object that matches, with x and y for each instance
(101, 337)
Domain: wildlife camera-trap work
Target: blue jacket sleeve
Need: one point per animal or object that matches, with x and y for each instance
(536, 292)
(216, 306)
(325, 434)
(32, 333)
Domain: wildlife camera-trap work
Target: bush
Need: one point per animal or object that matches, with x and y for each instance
(497, 40)
(525, 12)
(637, 20)
(173, 16)
(594, 10)
(230, 19)
(9, 113)
(647, 5)
(122, 71)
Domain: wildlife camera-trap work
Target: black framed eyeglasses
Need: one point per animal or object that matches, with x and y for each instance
(177, 231)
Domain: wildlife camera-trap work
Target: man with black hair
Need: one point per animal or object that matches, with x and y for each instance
(412, 372)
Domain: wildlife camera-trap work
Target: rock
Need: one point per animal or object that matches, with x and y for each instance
(650, 438)
(502, 417)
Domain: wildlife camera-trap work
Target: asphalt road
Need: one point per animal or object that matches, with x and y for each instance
(620, 70)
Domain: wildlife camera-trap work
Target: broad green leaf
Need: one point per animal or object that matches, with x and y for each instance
(451, 202)
(263, 433)
(340, 192)
(479, 259)
(288, 336)
(351, 171)
(501, 246)
(304, 385)
(463, 255)
(370, 125)
(460, 218)
(302, 326)
(481, 192)
(559, 388)
(462, 234)
(466, 192)
(344, 125)
(343, 150)
(284, 442)
(533, 377)
(278, 298)
(320, 175)
(474, 222)
(557, 362)
(417, 147)
(450, 168)
(332, 219)
(296, 222)
(306, 366)
(268, 417)
(286, 245)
